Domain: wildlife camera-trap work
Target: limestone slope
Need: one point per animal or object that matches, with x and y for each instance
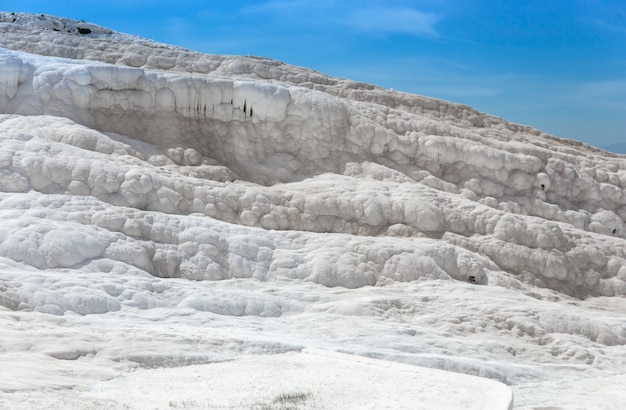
(149, 183)
(402, 165)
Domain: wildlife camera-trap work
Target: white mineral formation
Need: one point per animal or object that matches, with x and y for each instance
(162, 208)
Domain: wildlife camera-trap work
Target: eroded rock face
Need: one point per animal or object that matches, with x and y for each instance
(250, 200)
(350, 185)
(318, 161)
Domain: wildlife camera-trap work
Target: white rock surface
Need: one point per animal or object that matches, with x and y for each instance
(161, 208)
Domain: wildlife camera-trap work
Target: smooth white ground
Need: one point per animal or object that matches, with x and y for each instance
(308, 379)
(176, 209)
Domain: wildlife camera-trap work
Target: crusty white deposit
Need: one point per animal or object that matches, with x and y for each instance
(162, 208)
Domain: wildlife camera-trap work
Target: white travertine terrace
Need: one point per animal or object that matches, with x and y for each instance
(127, 165)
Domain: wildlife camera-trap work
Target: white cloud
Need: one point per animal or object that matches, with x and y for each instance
(394, 20)
(470, 91)
(300, 7)
(614, 28)
(603, 94)
(362, 16)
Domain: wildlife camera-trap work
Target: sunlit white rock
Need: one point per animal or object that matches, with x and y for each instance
(201, 208)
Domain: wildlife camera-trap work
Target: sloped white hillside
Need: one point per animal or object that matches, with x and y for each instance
(164, 208)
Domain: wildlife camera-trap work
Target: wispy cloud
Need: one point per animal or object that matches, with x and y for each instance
(605, 25)
(571, 96)
(465, 91)
(291, 8)
(363, 16)
(610, 95)
(394, 20)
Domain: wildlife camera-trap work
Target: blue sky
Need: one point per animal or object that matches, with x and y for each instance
(557, 65)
